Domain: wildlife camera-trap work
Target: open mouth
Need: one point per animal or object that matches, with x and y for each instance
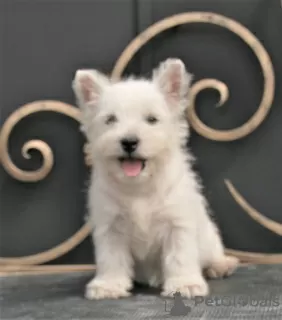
(131, 166)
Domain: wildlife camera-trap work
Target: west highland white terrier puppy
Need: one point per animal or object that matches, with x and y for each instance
(150, 219)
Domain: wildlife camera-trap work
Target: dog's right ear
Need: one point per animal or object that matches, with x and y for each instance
(88, 86)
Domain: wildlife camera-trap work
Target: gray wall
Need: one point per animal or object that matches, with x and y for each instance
(44, 42)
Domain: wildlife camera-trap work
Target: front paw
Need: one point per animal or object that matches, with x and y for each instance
(108, 288)
(188, 287)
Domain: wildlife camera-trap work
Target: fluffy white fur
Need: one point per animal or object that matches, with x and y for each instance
(153, 227)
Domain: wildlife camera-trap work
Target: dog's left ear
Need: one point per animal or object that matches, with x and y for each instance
(174, 82)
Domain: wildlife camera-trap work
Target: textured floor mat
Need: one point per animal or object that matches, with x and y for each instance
(253, 292)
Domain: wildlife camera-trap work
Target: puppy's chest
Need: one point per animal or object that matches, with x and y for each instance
(140, 219)
(143, 226)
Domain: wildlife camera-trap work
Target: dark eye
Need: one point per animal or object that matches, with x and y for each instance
(151, 119)
(111, 119)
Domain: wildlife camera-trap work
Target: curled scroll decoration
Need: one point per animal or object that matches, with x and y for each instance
(201, 128)
(239, 30)
(12, 264)
(39, 145)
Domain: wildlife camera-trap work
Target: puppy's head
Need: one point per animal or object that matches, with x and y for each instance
(134, 124)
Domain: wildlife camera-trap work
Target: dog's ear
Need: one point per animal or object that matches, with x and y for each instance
(88, 86)
(174, 82)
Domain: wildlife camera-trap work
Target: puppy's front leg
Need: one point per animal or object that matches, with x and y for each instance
(181, 266)
(114, 265)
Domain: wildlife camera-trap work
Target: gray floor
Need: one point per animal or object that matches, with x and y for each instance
(253, 292)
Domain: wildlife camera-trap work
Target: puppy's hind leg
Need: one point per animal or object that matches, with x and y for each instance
(219, 265)
(181, 264)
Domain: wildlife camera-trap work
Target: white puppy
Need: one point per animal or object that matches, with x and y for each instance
(150, 218)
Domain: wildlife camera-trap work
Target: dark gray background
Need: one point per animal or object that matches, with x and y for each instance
(44, 42)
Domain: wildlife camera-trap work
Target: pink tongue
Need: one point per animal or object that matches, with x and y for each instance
(132, 168)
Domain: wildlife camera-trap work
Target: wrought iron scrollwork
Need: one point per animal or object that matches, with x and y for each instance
(37, 175)
(39, 145)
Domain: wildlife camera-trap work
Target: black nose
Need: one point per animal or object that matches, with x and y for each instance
(129, 145)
